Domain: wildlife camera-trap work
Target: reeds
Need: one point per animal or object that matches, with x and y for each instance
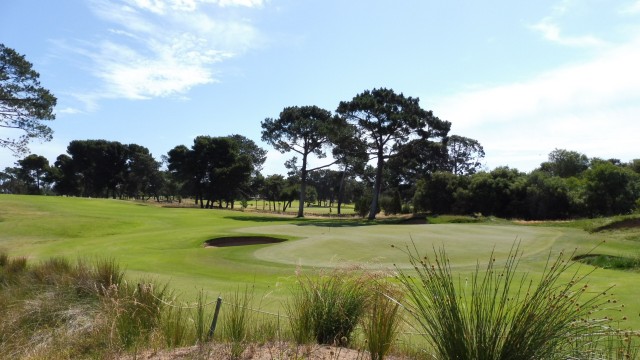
(237, 321)
(328, 307)
(502, 315)
(381, 322)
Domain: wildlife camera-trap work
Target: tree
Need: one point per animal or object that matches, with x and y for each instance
(11, 182)
(547, 197)
(34, 170)
(273, 188)
(465, 155)
(610, 189)
(143, 177)
(565, 163)
(24, 104)
(304, 130)
(435, 192)
(248, 147)
(386, 122)
(214, 169)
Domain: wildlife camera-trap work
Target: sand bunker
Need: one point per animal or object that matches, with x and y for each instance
(241, 240)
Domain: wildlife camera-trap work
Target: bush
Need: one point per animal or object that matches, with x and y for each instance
(331, 305)
(501, 317)
(381, 322)
(237, 321)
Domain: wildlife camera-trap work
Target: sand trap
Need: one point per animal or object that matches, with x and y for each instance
(241, 240)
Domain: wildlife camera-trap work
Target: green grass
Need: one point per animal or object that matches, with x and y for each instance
(165, 244)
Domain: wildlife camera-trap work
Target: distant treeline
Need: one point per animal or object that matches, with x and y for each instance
(218, 171)
(390, 154)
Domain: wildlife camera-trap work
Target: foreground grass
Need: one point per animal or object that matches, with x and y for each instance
(166, 244)
(57, 309)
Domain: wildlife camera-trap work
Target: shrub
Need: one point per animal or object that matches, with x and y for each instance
(332, 305)
(237, 321)
(135, 310)
(501, 317)
(381, 322)
(107, 273)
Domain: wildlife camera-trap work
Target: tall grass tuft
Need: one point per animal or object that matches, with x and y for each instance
(237, 321)
(53, 271)
(331, 305)
(107, 273)
(382, 322)
(299, 315)
(175, 326)
(502, 315)
(200, 319)
(4, 258)
(135, 310)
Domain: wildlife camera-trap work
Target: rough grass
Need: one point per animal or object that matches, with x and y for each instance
(167, 244)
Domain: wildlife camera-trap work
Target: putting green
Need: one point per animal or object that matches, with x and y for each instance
(372, 245)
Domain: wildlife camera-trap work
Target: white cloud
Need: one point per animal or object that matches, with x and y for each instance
(551, 31)
(161, 48)
(632, 8)
(592, 107)
(69, 110)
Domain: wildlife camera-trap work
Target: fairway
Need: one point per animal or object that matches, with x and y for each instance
(167, 244)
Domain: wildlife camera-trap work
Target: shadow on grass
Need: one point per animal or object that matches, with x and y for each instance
(259, 218)
(624, 224)
(333, 222)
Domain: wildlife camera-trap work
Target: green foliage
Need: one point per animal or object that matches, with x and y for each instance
(490, 316)
(384, 122)
(175, 326)
(201, 321)
(610, 189)
(304, 130)
(332, 304)
(564, 163)
(361, 205)
(610, 261)
(391, 205)
(298, 308)
(381, 322)
(237, 321)
(465, 155)
(24, 104)
(107, 273)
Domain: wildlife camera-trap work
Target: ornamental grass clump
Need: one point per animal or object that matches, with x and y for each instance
(381, 323)
(328, 307)
(498, 313)
(237, 321)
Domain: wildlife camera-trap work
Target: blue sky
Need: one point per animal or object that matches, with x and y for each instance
(521, 77)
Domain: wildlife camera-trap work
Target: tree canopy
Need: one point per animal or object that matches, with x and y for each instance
(385, 122)
(304, 130)
(24, 104)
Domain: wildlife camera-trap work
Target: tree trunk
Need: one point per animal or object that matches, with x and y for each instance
(303, 185)
(341, 188)
(376, 186)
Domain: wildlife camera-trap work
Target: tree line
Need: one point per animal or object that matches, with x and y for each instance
(383, 152)
(220, 171)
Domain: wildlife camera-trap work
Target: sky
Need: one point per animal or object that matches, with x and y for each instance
(521, 77)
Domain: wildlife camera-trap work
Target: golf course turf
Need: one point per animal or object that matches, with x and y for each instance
(168, 245)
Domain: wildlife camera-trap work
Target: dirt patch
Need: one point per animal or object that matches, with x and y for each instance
(259, 352)
(621, 225)
(241, 241)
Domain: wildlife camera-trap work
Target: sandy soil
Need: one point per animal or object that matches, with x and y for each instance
(258, 352)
